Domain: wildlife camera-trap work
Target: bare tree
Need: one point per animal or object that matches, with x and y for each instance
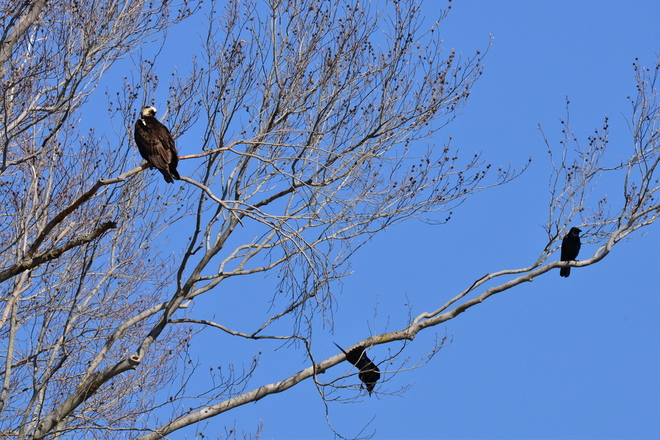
(307, 127)
(77, 257)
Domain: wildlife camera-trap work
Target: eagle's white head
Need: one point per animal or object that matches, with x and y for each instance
(148, 112)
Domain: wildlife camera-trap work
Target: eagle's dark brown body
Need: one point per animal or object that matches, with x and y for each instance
(156, 145)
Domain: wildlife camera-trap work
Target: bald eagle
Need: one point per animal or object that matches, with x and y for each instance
(156, 145)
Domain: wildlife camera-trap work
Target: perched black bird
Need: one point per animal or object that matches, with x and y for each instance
(369, 372)
(156, 145)
(570, 247)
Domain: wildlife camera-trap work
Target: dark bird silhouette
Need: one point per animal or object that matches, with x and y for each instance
(570, 247)
(369, 372)
(156, 145)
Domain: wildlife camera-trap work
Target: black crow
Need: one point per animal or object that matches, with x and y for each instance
(570, 247)
(369, 372)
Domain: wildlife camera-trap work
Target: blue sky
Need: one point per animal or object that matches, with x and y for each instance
(556, 358)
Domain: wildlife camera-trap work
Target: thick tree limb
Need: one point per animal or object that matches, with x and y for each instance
(32, 262)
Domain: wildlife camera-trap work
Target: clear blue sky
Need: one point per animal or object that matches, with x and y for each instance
(556, 358)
